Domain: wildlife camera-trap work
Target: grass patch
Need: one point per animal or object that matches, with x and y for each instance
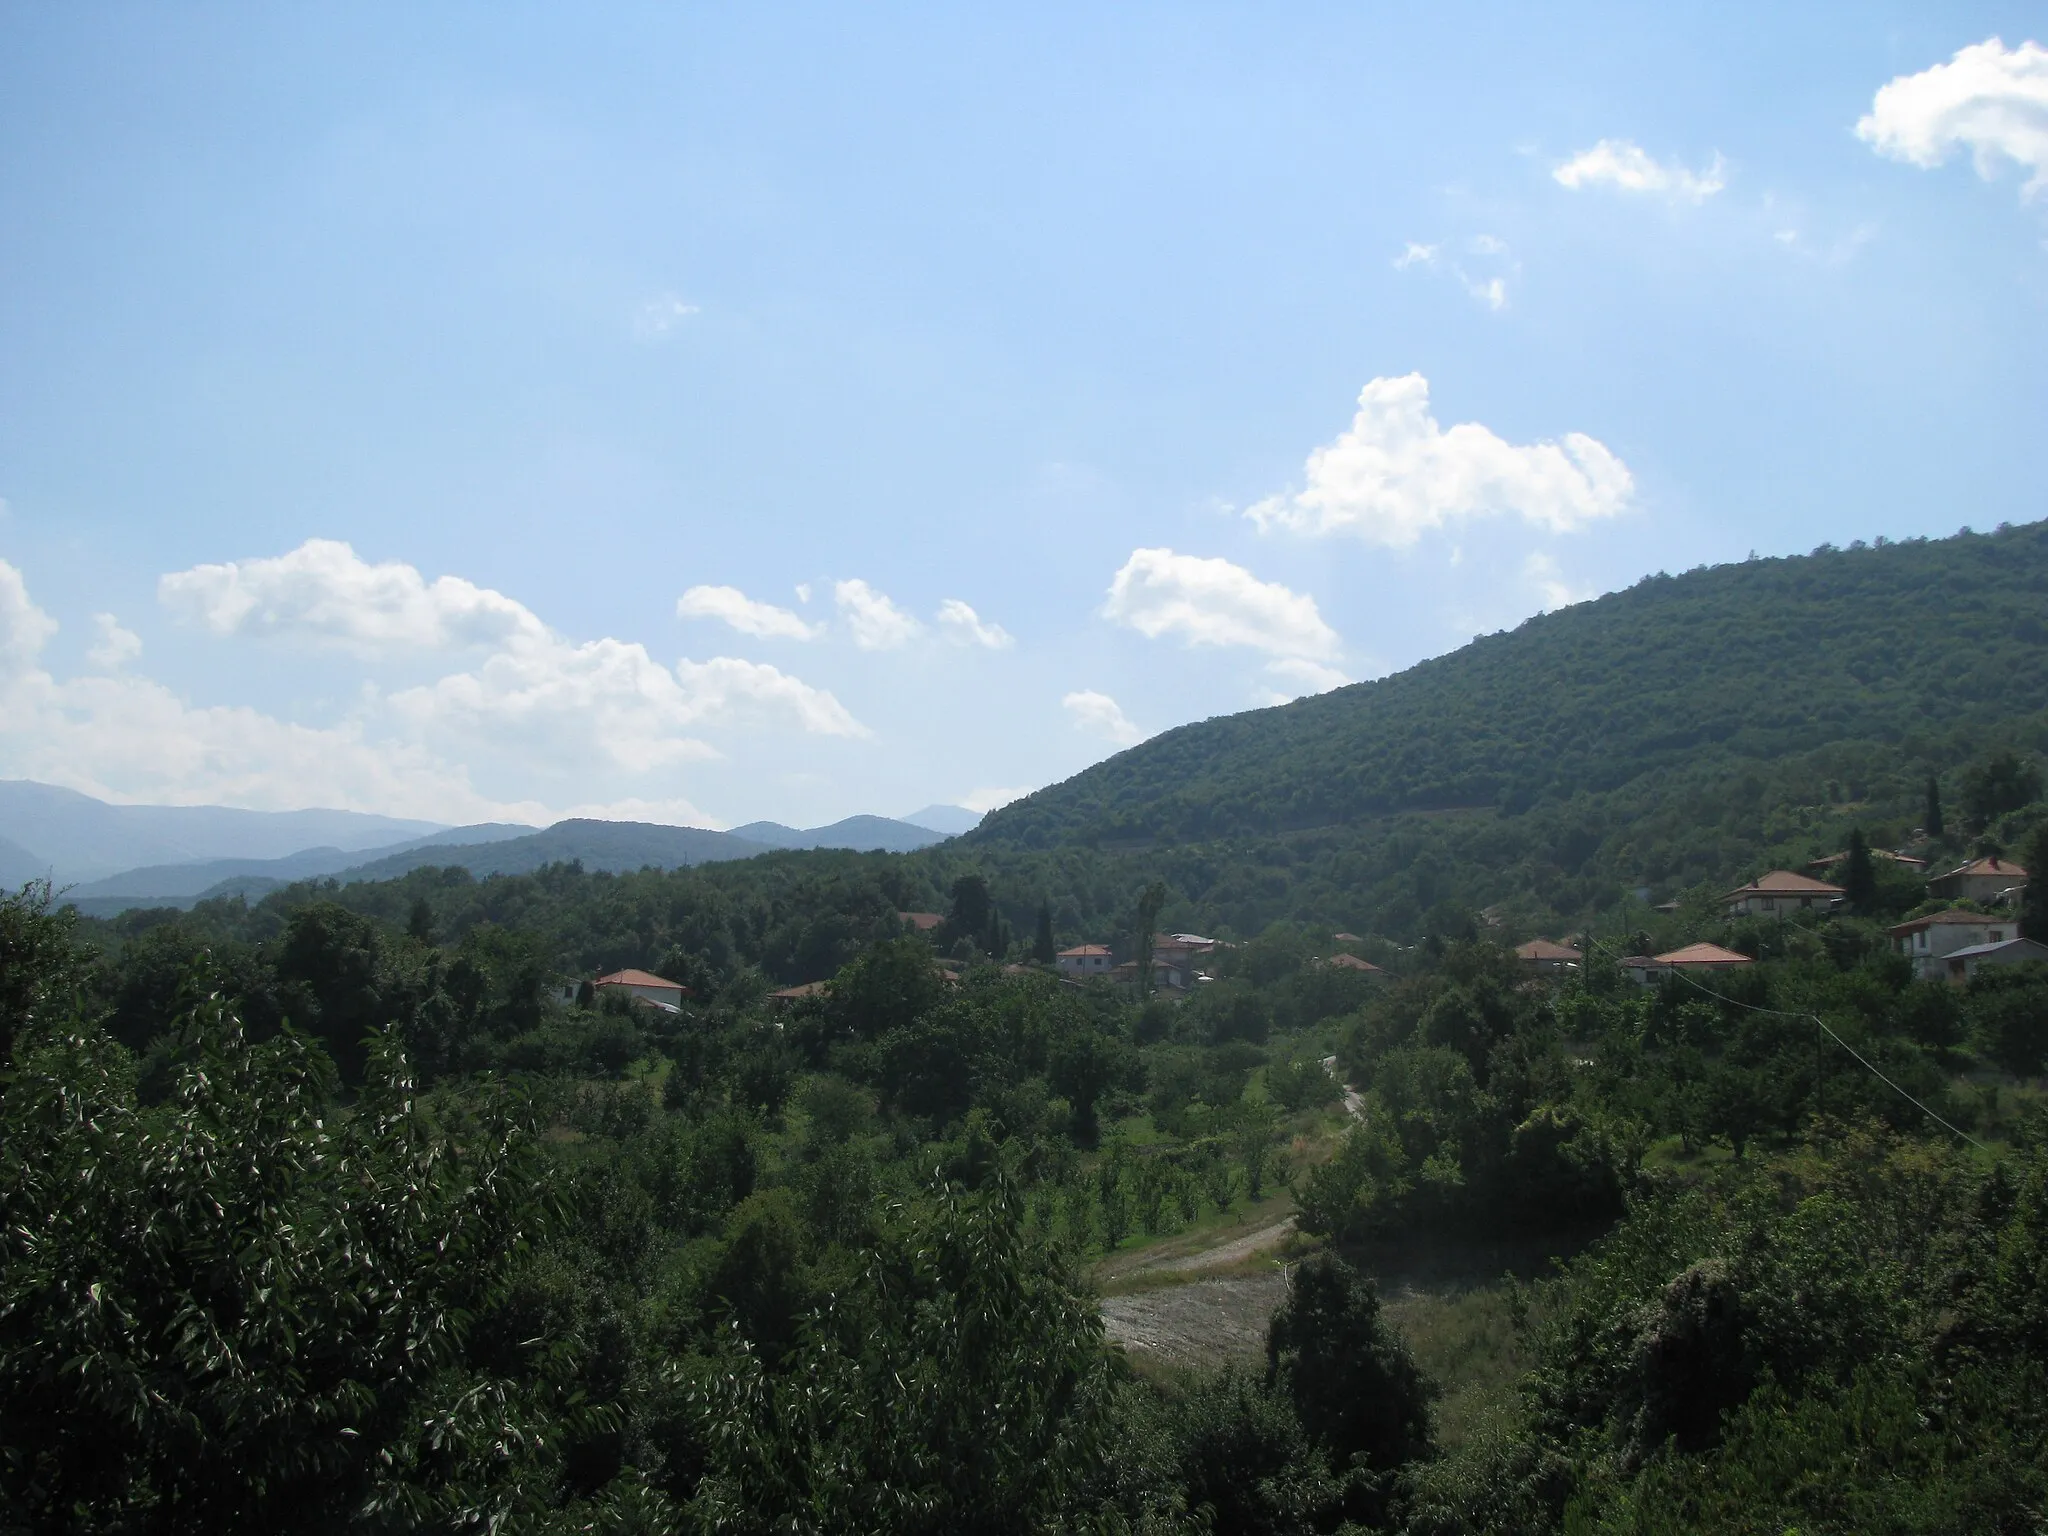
(1468, 1340)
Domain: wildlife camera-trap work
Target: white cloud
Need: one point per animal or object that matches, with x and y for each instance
(1489, 284)
(1543, 573)
(1988, 99)
(731, 606)
(733, 691)
(24, 628)
(1213, 602)
(803, 591)
(116, 646)
(1396, 475)
(1099, 715)
(599, 715)
(661, 315)
(993, 797)
(876, 623)
(1493, 293)
(965, 627)
(1628, 167)
(1310, 676)
(323, 592)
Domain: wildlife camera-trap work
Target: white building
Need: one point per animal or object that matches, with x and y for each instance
(1929, 941)
(1083, 961)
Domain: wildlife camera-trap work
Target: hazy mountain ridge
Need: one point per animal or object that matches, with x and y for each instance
(862, 833)
(76, 837)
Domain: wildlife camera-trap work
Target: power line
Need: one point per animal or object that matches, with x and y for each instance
(1819, 1023)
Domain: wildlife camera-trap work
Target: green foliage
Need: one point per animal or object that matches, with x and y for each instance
(239, 1311)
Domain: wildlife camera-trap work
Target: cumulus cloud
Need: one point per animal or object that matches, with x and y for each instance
(1312, 676)
(116, 647)
(324, 592)
(1396, 474)
(964, 626)
(660, 315)
(1988, 99)
(729, 605)
(1213, 602)
(1628, 167)
(1099, 715)
(876, 623)
(600, 715)
(129, 737)
(24, 628)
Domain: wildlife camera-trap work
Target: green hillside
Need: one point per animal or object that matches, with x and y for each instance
(1671, 733)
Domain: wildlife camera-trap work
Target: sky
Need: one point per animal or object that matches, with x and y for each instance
(702, 414)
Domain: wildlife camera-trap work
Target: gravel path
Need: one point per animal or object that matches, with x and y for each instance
(1204, 1323)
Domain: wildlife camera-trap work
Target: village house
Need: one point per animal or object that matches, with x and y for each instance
(1083, 961)
(1547, 957)
(1353, 963)
(1834, 861)
(1963, 964)
(1985, 879)
(921, 922)
(1780, 894)
(1696, 960)
(1929, 941)
(645, 986)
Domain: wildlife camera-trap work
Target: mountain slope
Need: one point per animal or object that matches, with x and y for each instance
(1685, 730)
(162, 882)
(862, 833)
(610, 845)
(83, 838)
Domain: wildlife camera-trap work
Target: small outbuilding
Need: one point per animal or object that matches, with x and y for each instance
(1963, 964)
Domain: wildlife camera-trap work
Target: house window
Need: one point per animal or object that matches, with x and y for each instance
(1770, 903)
(1996, 936)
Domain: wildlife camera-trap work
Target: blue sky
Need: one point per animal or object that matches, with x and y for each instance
(761, 411)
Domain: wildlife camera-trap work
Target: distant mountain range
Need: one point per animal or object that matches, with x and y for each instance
(75, 837)
(45, 830)
(863, 832)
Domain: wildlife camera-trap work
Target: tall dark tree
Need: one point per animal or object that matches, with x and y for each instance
(2034, 898)
(1149, 903)
(1042, 944)
(1930, 819)
(972, 915)
(1358, 1391)
(2003, 781)
(1859, 879)
(419, 924)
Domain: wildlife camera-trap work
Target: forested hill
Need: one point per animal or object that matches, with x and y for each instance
(1920, 647)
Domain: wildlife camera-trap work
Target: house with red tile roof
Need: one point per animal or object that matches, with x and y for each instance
(644, 985)
(1986, 879)
(923, 922)
(1083, 961)
(1780, 894)
(1547, 956)
(1700, 960)
(1344, 962)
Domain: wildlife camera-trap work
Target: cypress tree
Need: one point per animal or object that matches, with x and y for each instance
(1859, 879)
(2034, 899)
(1931, 820)
(1041, 948)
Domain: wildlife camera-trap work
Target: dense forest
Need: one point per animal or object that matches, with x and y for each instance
(340, 1211)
